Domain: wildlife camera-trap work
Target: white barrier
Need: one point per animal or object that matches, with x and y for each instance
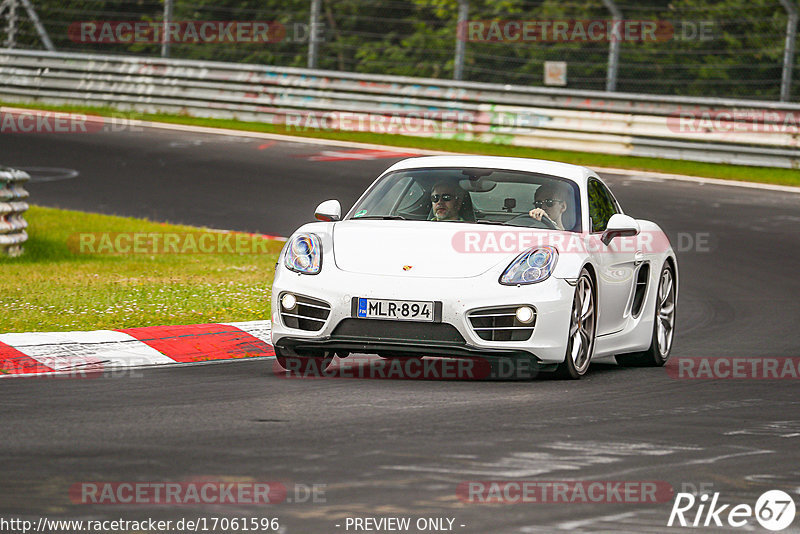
(710, 129)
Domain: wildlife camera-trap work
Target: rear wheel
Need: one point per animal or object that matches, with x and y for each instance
(582, 324)
(663, 328)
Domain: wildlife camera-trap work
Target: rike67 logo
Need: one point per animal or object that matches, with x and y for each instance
(774, 510)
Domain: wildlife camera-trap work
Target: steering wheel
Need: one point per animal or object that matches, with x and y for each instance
(549, 222)
(523, 219)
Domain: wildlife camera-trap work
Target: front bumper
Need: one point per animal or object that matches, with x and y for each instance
(391, 347)
(551, 299)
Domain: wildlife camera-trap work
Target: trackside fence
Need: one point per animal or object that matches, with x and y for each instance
(715, 130)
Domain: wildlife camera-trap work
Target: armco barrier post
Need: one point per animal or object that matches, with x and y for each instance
(167, 20)
(12, 224)
(788, 49)
(461, 40)
(613, 46)
(313, 37)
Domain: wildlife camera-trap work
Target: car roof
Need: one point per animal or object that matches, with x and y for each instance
(575, 173)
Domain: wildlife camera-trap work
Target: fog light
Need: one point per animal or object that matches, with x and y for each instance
(524, 314)
(288, 301)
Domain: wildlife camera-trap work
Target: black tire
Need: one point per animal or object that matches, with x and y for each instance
(582, 330)
(660, 347)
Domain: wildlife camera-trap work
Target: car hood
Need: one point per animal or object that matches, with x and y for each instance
(410, 248)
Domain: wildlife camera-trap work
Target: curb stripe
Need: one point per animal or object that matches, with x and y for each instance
(66, 351)
(95, 352)
(14, 362)
(202, 342)
(259, 329)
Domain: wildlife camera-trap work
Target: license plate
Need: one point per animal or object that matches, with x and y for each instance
(399, 310)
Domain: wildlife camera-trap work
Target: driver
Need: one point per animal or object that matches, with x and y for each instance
(550, 200)
(446, 202)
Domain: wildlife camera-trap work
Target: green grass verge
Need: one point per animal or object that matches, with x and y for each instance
(589, 159)
(54, 286)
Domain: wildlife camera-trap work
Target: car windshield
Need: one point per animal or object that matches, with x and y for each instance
(483, 196)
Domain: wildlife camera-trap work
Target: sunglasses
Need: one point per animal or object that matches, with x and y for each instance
(447, 197)
(549, 202)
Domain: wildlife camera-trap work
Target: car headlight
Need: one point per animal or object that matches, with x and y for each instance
(533, 266)
(304, 254)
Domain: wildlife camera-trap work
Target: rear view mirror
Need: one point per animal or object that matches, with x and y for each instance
(481, 185)
(328, 211)
(620, 225)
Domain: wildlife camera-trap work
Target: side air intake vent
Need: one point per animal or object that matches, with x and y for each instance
(640, 290)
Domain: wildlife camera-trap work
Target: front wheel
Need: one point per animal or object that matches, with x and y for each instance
(582, 324)
(663, 328)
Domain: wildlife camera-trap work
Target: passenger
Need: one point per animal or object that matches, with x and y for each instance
(550, 200)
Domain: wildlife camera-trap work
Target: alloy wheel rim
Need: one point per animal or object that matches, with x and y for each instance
(582, 325)
(665, 319)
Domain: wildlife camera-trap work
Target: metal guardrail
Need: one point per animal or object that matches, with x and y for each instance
(12, 224)
(699, 129)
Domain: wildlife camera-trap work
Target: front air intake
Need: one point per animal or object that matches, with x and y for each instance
(500, 324)
(307, 313)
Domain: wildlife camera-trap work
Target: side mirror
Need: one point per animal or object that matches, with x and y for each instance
(620, 225)
(328, 211)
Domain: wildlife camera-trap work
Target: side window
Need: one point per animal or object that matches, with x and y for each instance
(388, 195)
(601, 207)
(412, 201)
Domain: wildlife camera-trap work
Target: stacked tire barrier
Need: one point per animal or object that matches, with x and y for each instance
(12, 208)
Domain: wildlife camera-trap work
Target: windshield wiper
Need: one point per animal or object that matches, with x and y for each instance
(485, 221)
(381, 217)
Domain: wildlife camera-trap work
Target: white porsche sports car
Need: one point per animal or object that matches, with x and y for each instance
(475, 256)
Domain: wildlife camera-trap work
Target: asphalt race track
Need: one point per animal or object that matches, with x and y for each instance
(400, 448)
